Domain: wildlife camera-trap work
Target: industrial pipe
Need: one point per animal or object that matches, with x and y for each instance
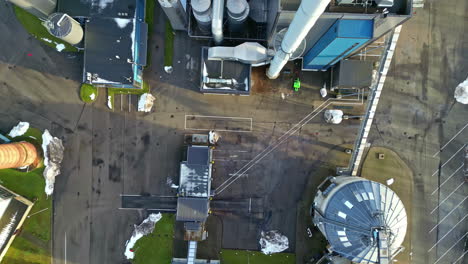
(217, 23)
(307, 14)
(17, 154)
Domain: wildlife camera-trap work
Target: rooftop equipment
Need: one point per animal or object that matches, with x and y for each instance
(247, 52)
(202, 12)
(64, 27)
(306, 16)
(217, 23)
(39, 8)
(17, 154)
(175, 12)
(363, 221)
(238, 11)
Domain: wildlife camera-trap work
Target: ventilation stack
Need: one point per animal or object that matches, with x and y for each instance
(175, 12)
(202, 12)
(39, 8)
(17, 155)
(238, 11)
(64, 27)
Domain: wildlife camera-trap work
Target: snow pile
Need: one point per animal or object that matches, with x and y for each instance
(333, 116)
(173, 186)
(19, 129)
(104, 3)
(145, 104)
(273, 242)
(323, 91)
(461, 92)
(109, 102)
(145, 228)
(46, 40)
(6, 231)
(122, 22)
(168, 69)
(59, 47)
(390, 181)
(53, 156)
(92, 96)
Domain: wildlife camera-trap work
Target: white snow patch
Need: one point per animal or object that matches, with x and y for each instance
(173, 186)
(19, 129)
(168, 69)
(6, 231)
(323, 91)
(146, 227)
(146, 102)
(333, 116)
(52, 148)
(104, 3)
(117, 56)
(390, 181)
(109, 102)
(273, 242)
(132, 37)
(100, 80)
(92, 96)
(46, 40)
(122, 22)
(213, 137)
(59, 47)
(461, 92)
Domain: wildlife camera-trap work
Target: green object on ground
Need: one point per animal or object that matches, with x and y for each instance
(229, 256)
(32, 245)
(87, 91)
(157, 246)
(33, 25)
(168, 45)
(297, 84)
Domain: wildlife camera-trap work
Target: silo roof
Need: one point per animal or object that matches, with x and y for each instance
(353, 214)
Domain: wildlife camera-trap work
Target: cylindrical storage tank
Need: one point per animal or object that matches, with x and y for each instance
(355, 214)
(238, 11)
(40, 8)
(17, 154)
(201, 10)
(64, 27)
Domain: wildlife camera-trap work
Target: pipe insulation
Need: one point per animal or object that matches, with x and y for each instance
(306, 16)
(17, 154)
(217, 23)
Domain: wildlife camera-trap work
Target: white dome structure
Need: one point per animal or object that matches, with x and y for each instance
(364, 221)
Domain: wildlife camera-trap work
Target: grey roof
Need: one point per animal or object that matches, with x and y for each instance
(354, 212)
(199, 155)
(94, 8)
(192, 209)
(194, 180)
(353, 73)
(108, 49)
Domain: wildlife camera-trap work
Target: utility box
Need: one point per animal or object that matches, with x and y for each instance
(342, 38)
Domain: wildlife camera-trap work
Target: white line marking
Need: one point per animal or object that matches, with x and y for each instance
(185, 122)
(445, 217)
(459, 168)
(222, 117)
(448, 160)
(461, 184)
(226, 150)
(228, 160)
(219, 130)
(447, 233)
(464, 253)
(268, 150)
(451, 248)
(450, 140)
(65, 258)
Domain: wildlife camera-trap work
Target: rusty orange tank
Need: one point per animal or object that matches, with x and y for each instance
(17, 154)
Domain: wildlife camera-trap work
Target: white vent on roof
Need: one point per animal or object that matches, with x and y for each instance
(341, 233)
(364, 196)
(358, 197)
(344, 239)
(346, 244)
(341, 214)
(371, 196)
(348, 204)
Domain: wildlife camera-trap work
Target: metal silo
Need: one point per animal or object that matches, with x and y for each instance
(64, 27)
(202, 12)
(39, 8)
(238, 11)
(17, 154)
(364, 221)
(175, 12)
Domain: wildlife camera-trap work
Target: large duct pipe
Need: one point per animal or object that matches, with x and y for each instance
(217, 24)
(17, 154)
(307, 14)
(39, 8)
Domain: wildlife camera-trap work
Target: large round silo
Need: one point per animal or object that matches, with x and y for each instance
(364, 221)
(64, 27)
(39, 8)
(238, 11)
(201, 10)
